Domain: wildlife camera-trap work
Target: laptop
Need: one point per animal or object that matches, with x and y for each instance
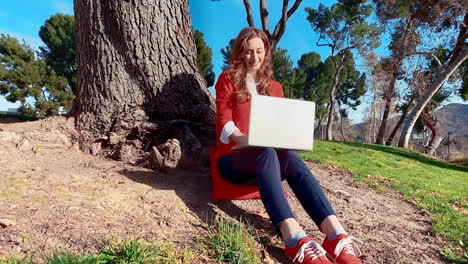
(280, 123)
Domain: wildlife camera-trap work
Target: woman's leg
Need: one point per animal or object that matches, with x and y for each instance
(337, 243)
(263, 166)
(308, 191)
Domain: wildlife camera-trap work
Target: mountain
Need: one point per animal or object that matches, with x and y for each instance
(454, 118)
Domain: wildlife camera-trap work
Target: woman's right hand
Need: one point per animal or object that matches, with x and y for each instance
(239, 137)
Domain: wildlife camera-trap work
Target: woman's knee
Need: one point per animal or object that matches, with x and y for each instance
(268, 152)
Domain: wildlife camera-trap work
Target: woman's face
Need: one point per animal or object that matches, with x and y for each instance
(255, 54)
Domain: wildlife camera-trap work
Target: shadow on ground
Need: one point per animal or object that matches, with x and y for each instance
(193, 187)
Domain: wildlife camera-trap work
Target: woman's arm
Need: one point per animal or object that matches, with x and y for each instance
(238, 137)
(224, 89)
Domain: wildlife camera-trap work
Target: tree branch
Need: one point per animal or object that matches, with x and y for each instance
(248, 10)
(264, 17)
(294, 8)
(281, 26)
(430, 54)
(462, 35)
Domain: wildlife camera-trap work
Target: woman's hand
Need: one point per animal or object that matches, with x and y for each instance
(238, 137)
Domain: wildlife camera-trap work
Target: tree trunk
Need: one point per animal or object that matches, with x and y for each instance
(383, 124)
(331, 110)
(395, 129)
(343, 134)
(140, 97)
(436, 137)
(442, 76)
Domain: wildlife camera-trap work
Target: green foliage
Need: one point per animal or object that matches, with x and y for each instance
(58, 33)
(226, 52)
(343, 26)
(20, 117)
(130, 252)
(20, 73)
(283, 70)
(23, 75)
(319, 77)
(232, 243)
(204, 58)
(437, 186)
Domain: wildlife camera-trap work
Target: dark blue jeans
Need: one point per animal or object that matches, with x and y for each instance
(266, 167)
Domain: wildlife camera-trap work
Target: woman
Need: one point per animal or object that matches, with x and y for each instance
(250, 74)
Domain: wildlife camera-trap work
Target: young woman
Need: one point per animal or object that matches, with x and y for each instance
(250, 74)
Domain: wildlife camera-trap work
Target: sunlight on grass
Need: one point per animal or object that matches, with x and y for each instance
(232, 243)
(437, 186)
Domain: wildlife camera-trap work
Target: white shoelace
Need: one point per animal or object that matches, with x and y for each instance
(349, 246)
(312, 249)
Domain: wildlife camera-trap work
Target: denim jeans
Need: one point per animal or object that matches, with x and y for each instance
(266, 167)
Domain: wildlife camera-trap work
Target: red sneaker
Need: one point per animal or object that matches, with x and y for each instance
(343, 249)
(307, 251)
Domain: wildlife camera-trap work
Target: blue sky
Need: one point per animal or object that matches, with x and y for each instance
(219, 21)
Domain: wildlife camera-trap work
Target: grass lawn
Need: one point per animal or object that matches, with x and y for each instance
(439, 187)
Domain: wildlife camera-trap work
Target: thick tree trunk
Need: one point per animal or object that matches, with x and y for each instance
(383, 124)
(442, 76)
(140, 97)
(436, 136)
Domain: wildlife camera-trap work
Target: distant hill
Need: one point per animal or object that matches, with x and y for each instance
(454, 118)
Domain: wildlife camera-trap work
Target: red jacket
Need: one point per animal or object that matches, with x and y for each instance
(227, 109)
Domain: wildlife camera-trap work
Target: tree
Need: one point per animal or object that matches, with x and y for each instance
(58, 33)
(204, 59)
(457, 55)
(22, 75)
(140, 96)
(342, 27)
(283, 70)
(226, 52)
(404, 40)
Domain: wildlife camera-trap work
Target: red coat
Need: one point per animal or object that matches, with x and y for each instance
(227, 109)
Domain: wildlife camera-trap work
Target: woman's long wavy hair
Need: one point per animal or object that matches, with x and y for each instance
(238, 70)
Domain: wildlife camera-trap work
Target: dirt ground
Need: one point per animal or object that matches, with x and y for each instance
(55, 198)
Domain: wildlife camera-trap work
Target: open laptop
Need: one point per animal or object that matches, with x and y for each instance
(280, 123)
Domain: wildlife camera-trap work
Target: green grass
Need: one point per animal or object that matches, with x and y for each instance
(20, 117)
(439, 187)
(130, 252)
(232, 242)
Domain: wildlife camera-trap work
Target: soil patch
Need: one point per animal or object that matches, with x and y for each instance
(57, 198)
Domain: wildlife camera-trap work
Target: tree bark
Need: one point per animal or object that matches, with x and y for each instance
(395, 129)
(442, 76)
(343, 134)
(436, 137)
(140, 97)
(333, 89)
(383, 124)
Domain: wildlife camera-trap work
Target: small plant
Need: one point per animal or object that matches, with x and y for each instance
(132, 252)
(232, 243)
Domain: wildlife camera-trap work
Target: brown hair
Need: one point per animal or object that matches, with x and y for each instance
(238, 71)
